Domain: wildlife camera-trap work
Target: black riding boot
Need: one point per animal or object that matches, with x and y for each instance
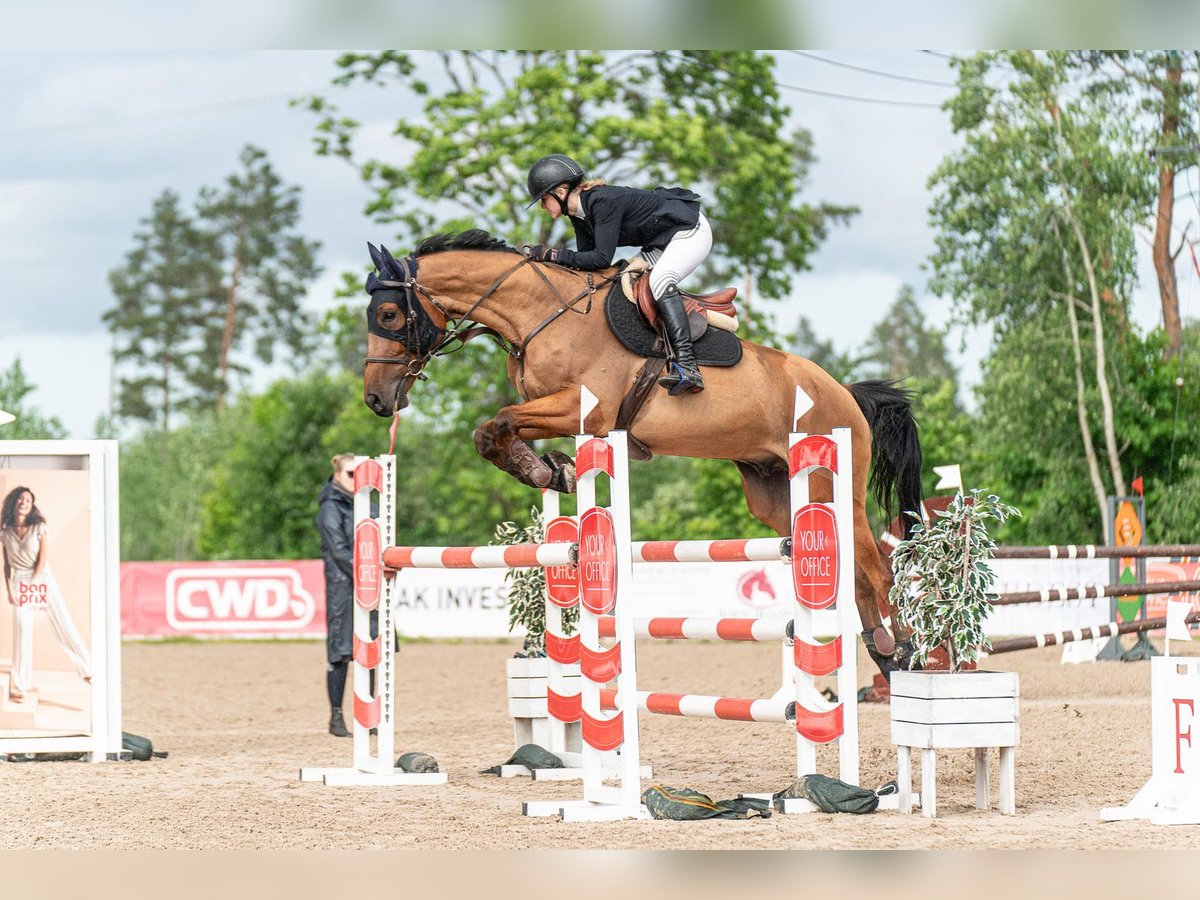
(684, 375)
(337, 724)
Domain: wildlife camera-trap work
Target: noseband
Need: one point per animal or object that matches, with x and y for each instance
(421, 336)
(423, 339)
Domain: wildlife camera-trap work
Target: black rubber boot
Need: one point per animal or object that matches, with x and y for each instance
(337, 725)
(684, 375)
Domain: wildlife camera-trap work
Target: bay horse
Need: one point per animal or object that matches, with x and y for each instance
(551, 322)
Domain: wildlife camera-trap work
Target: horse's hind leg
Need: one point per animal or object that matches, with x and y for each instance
(768, 495)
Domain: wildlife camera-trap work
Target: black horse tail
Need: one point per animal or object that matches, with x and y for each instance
(895, 447)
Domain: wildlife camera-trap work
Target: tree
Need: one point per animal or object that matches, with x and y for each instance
(160, 291)
(165, 478)
(265, 268)
(1162, 105)
(902, 345)
(1035, 220)
(710, 119)
(263, 499)
(30, 425)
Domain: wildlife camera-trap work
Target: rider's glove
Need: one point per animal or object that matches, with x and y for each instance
(540, 252)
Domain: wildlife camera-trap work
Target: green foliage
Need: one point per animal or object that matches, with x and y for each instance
(527, 587)
(710, 119)
(165, 478)
(262, 503)
(30, 424)
(1037, 215)
(1031, 156)
(942, 580)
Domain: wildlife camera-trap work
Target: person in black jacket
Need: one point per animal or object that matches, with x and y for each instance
(666, 223)
(335, 522)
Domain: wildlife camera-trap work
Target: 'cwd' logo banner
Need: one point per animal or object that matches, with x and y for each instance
(223, 599)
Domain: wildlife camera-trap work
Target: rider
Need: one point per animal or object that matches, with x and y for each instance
(666, 223)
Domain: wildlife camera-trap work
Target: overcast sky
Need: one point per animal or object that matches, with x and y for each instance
(87, 140)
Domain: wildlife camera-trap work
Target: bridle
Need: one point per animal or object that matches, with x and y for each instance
(424, 339)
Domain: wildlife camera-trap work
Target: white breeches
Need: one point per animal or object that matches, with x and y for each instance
(680, 258)
(55, 609)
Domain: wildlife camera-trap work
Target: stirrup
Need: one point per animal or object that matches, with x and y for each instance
(679, 381)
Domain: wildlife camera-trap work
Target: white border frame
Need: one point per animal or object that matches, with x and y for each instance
(105, 589)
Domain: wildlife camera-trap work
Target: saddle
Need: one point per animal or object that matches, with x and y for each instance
(714, 347)
(715, 309)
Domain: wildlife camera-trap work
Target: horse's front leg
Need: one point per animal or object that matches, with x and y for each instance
(501, 441)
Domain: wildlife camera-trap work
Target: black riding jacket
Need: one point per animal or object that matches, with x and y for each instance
(615, 216)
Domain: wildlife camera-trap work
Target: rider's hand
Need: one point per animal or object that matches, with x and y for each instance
(540, 252)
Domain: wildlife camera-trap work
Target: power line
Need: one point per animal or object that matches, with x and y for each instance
(846, 65)
(819, 93)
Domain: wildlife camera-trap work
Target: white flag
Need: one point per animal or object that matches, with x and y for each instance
(948, 477)
(1177, 613)
(803, 404)
(6, 417)
(587, 402)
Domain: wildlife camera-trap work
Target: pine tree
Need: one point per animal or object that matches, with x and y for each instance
(160, 295)
(265, 265)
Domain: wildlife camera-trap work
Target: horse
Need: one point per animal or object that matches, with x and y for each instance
(550, 321)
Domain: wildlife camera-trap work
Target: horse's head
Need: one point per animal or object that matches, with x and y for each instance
(405, 327)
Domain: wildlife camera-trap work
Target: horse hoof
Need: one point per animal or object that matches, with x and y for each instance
(563, 467)
(883, 641)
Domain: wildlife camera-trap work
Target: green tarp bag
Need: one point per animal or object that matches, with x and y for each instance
(684, 804)
(833, 796)
(531, 756)
(140, 747)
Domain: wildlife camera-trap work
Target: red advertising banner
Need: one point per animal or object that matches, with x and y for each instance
(223, 599)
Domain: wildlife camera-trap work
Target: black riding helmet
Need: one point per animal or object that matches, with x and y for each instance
(549, 172)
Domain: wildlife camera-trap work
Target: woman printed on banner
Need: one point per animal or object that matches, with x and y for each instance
(32, 589)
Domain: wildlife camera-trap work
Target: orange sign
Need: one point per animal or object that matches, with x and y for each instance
(597, 561)
(815, 556)
(367, 569)
(562, 582)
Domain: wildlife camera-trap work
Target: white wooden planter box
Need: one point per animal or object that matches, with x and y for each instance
(944, 710)
(527, 682)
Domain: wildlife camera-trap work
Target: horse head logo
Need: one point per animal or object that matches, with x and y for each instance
(755, 589)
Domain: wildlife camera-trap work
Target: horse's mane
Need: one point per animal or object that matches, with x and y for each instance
(472, 239)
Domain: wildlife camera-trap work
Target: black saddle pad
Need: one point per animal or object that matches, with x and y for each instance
(715, 347)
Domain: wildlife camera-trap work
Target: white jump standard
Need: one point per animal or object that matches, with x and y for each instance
(822, 565)
(373, 591)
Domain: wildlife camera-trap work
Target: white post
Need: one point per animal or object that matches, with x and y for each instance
(371, 536)
(847, 608)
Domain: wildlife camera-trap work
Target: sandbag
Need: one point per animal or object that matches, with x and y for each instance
(684, 804)
(531, 756)
(141, 748)
(833, 796)
(416, 762)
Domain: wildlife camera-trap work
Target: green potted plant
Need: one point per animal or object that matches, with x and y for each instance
(942, 593)
(528, 671)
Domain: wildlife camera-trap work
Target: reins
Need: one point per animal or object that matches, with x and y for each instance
(454, 330)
